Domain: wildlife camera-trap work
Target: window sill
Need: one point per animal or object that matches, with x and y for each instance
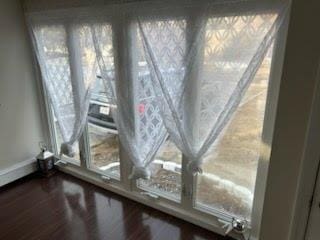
(194, 216)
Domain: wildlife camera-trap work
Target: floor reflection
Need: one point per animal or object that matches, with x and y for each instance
(88, 212)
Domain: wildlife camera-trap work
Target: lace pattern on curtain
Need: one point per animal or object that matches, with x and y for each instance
(181, 75)
(213, 74)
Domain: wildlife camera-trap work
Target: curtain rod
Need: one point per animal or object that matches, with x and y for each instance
(51, 5)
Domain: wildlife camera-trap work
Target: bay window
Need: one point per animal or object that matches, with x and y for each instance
(165, 105)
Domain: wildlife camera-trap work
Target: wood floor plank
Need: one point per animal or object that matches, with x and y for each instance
(64, 207)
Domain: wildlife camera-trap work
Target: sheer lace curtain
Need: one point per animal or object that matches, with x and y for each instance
(139, 123)
(198, 102)
(177, 70)
(67, 73)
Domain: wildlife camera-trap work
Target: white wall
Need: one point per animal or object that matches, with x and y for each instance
(20, 123)
(296, 133)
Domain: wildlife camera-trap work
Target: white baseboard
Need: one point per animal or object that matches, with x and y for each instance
(17, 171)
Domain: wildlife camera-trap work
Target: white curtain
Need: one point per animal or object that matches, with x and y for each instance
(201, 67)
(67, 68)
(177, 70)
(137, 116)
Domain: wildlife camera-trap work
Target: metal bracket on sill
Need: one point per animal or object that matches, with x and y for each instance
(149, 194)
(61, 163)
(106, 178)
(239, 226)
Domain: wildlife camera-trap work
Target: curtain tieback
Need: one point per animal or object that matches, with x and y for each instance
(194, 167)
(67, 149)
(140, 172)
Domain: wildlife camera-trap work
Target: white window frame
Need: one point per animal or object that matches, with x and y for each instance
(185, 209)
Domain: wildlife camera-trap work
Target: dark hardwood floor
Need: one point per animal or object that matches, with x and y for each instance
(63, 207)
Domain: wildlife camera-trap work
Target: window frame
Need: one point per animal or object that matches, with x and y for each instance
(186, 208)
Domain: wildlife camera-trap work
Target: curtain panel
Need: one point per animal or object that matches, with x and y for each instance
(173, 70)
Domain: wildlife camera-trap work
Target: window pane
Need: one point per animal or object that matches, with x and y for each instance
(103, 135)
(230, 167)
(53, 41)
(166, 172)
(166, 167)
(104, 142)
